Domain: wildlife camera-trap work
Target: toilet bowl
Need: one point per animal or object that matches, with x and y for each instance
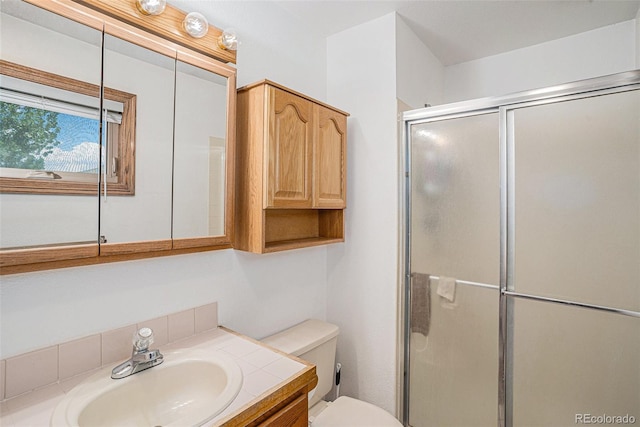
(315, 341)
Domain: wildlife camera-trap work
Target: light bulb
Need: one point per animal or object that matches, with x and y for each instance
(195, 24)
(151, 7)
(228, 40)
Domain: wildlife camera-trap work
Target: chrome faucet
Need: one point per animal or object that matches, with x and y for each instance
(141, 357)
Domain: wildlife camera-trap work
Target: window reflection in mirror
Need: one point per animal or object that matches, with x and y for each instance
(47, 135)
(145, 216)
(50, 134)
(46, 129)
(199, 152)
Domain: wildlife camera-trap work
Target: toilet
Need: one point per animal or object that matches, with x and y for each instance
(315, 341)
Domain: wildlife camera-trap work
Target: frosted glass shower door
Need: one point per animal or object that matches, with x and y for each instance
(455, 233)
(576, 239)
(523, 258)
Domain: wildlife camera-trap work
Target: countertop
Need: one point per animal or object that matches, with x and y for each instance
(264, 370)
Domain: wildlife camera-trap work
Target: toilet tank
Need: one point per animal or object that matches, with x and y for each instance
(314, 341)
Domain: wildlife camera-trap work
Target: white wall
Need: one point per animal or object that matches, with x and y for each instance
(420, 75)
(362, 282)
(638, 39)
(257, 295)
(274, 44)
(606, 50)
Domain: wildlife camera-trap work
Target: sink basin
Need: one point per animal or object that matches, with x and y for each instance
(187, 389)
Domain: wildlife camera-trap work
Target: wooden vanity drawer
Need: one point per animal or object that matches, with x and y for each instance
(295, 414)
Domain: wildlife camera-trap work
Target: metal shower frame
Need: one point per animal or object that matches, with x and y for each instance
(504, 106)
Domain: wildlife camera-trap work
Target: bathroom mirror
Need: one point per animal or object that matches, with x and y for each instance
(199, 152)
(154, 153)
(145, 215)
(49, 149)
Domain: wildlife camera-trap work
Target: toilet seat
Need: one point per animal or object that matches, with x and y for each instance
(348, 412)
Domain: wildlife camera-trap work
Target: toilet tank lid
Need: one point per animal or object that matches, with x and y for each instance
(303, 337)
(346, 411)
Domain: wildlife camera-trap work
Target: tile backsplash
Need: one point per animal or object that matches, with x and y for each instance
(29, 371)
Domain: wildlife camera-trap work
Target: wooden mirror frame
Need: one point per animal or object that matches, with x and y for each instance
(163, 34)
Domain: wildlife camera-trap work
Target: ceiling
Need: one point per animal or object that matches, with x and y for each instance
(463, 30)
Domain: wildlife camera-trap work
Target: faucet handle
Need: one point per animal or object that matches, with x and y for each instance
(142, 339)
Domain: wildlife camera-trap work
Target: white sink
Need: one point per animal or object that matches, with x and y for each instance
(187, 389)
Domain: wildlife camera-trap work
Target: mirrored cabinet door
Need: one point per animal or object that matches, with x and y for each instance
(49, 133)
(115, 143)
(144, 149)
(199, 172)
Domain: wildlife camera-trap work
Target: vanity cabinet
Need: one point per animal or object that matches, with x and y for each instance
(291, 181)
(295, 414)
(286, 407)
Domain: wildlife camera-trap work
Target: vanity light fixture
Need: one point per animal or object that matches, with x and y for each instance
(228, 40)
(195, 24)
(151, 7)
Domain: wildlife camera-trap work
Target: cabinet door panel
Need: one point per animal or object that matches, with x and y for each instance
(145, 216)
(329, 184)
(289, 155)
(293, 415)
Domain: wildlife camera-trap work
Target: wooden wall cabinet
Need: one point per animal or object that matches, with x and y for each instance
(291, 170)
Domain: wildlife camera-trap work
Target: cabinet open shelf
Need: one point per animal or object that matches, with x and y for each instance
(298, 228)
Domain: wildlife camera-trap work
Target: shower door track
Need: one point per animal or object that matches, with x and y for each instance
(604, 85)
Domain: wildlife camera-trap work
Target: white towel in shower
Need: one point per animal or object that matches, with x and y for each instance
(447, 288)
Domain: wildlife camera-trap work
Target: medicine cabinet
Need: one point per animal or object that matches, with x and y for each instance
(122, 135)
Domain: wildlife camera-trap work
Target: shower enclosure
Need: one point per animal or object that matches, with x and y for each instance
(522, 258)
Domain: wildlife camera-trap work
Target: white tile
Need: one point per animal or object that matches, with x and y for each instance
(2, 377)
(239, 347)
(211, 337)
(68, 384)
(43, 399)
(31, 370)
(76, 357)
(246, 367)
(262, 357)
(241, 399)
(259, 382)
(159, 326)
(185, 344)
(181, 325)
(206, 317)
(6, 420)
(224, 341)
(192, 342)
(284, 368)
(117, 344)
(36, 415)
